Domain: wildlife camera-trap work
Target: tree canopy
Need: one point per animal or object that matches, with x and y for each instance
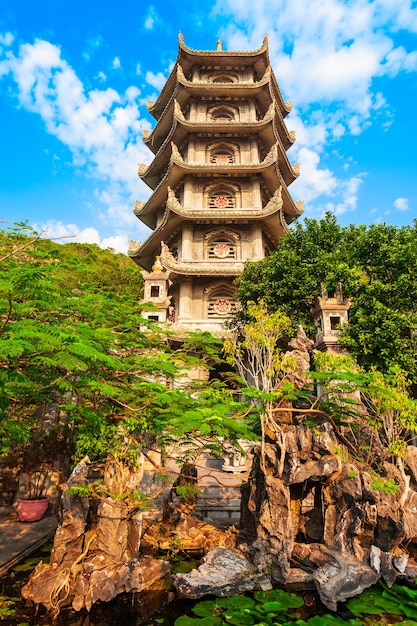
(376, 265)
(72, 335)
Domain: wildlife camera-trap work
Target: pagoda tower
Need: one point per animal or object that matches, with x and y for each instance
(219, 180)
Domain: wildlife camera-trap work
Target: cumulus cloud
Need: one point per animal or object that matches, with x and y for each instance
(101, 127)
(65, 233)
(401, 204)
(116, 63)
(151, 18)
(327, 55)
(6, 39)
(156, 80)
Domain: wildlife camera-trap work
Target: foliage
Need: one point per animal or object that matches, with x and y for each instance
(397, 600)
(266, 607)
(376, 265)
(390, 420)
(254, 347)
(7, 607)
(72, 337)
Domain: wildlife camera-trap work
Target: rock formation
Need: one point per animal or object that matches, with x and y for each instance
(313, 513)
(96, 550)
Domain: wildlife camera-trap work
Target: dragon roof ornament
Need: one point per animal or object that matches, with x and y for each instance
(142, 169)
(138, 206)
(178, 111)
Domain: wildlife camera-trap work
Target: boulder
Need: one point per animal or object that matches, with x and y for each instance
(224, 572)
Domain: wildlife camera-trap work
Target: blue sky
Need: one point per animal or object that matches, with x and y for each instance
(75, 77)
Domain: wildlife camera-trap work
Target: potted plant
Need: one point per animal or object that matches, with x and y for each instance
(40, 464)
(34, 503)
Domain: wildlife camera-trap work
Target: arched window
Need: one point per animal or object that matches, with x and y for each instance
(222, 157)
(223, 78)
(221, 248)
(222, 244)
(222, 199)
(222, 154)
(220, 301)
(222, 114)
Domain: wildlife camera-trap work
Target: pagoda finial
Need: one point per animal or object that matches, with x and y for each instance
(219, 45)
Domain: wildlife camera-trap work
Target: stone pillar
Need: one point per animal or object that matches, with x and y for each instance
(187, 243)
(188, 193)
(193, 111)
(258, 246)
(185, 300)
(191, 151)
(256, 193)
(252, 111)
(254, 151)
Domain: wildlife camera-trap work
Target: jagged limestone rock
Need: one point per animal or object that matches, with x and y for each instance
(224, 572)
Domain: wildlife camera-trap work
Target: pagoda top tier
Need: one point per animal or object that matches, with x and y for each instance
(188, 58)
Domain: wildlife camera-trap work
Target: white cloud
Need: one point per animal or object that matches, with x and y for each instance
(102, 128)
(64, 233)
(101, 76)
(151, 18)
(156, 80)
(401, 204)
(327, 54)
(116, 63)
(6, 39)
(93, 44)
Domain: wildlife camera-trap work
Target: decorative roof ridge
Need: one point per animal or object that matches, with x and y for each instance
(153, 235)
(229, 123)
(286, 104)
(178, 115)
(133, 247)
(144, 169)
(166, 141)
(263, 48)
(150, 104)
(168, 261)
(138, 206)
(276, 201)
(283, 223)
(300, 206)
(202, 83)
(274, 205)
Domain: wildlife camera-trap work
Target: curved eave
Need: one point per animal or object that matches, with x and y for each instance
(145, 254)
(182, 94)
(203, 268)
(258, 58)
(242, 169)
(147, 214)
(176, 171)
(224, 90)
(286, 106)
(168, 126)
(273, 179)
(272, 215)
(165, 95)
(162, 128)
(153, 172)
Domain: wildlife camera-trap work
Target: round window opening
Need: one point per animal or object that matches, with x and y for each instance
(222, 306)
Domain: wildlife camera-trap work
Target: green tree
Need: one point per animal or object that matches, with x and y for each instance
(376, 265)
(72, 335)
